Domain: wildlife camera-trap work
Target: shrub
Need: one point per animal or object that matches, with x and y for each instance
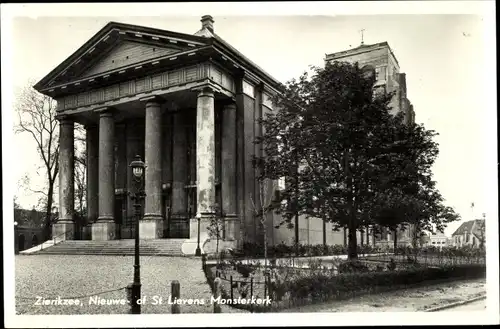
(353, 267)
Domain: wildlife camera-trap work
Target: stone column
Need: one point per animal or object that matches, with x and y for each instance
(64, 228)
(92, 147)
(104, 228)
(228, 170)
(205, 160)
(151, 226)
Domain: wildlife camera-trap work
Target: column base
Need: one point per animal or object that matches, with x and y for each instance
(63, 230)
(231, 226)
(103, 231)
(190, 246)
(193, 226)
(151, 227)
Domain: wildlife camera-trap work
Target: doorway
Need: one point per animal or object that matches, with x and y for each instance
(21, 242)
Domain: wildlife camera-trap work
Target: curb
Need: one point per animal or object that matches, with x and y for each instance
(460, 303)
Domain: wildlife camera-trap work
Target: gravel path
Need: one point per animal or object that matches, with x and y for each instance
(408, 300)
(77, 276)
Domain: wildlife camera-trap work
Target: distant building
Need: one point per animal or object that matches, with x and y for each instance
(28, 228)
(438, 240)
(470, 233)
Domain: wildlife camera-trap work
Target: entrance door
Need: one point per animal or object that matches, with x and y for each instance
(21, 242)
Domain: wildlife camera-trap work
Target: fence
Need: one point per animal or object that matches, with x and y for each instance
(430, 258)
(299, 281)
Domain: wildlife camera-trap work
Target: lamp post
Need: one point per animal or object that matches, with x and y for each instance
(198, 249)
(138, 168)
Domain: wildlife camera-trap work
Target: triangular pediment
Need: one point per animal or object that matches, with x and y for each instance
(124, 54)
(117, 46)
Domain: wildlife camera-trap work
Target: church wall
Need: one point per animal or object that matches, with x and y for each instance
(120, 156)
(249, 194)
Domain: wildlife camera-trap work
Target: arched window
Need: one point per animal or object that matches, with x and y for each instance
(34, 241)
(368, 70)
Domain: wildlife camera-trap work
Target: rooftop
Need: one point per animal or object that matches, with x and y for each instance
(360, 49)
(468, 226)
(204, 42)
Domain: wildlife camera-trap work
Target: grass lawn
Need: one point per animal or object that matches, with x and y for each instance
(79, 276)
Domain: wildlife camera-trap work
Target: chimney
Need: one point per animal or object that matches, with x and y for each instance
(207, 22)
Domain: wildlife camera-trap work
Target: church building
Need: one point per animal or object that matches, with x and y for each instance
(188, 106)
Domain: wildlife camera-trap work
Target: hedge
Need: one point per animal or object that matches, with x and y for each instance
(282, 250)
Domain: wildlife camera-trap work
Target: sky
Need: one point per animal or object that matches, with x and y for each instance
(445, 58)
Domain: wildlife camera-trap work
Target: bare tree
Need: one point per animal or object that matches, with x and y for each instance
(80, 173)
(216, 228)
(262, 210)
(37, 117)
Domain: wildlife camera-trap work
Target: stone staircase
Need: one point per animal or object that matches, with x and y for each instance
(157, 247)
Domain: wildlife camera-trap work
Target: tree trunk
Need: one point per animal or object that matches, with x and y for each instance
(352, 252)
(395, 231)
(324, 234)
(265, 247)
(48, 212)
(297, 234)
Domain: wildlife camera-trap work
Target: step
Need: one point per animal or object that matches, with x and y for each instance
(163, 247)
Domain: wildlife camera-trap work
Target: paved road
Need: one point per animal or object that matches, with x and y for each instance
(479, 305)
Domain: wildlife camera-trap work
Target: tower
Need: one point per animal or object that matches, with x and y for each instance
(380, 58)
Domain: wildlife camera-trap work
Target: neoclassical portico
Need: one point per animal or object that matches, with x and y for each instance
(187, 104)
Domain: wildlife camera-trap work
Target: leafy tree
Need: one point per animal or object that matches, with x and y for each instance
(344, 157)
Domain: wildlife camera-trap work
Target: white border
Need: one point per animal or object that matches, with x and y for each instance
(8, 11)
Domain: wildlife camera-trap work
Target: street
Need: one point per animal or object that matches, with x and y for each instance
(479, 305)
(413, 299)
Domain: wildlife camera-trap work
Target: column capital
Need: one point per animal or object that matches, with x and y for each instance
(152, 99)
(229, 106)
(65, 119)
(106, 111)
(207, 89)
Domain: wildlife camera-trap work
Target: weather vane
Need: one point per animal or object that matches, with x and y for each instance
(362, 36)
